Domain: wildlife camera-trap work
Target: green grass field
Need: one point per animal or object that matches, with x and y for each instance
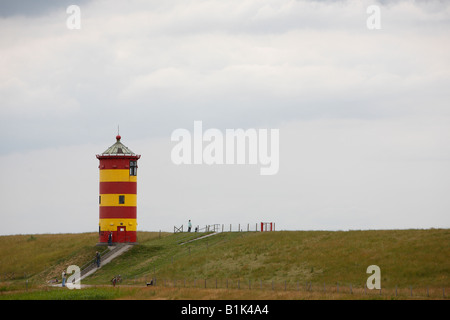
(284, 260)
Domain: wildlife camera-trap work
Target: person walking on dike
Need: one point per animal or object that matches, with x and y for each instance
(189, 226)
(64, 278)
(97, 259)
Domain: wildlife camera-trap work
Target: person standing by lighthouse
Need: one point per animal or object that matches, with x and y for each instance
(118, 194)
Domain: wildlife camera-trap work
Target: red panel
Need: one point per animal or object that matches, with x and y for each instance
(129, 236)
(116, 162)
(118, 188)
(118, 212)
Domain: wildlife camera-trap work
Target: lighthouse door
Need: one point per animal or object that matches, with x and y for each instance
(121, 234)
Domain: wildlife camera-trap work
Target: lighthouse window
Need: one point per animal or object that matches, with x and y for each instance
(133, 168)
(121, 199)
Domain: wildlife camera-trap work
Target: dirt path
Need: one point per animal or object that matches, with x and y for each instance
(203, 237)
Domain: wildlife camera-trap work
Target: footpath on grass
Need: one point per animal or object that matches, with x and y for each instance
(199, 238)
(114, 252)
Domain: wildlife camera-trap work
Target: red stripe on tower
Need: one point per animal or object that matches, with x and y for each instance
(118, 187)
(118, 212)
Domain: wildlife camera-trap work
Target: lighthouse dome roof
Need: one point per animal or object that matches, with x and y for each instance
(118, 148)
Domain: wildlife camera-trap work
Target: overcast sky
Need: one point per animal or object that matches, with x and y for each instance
(363, 115)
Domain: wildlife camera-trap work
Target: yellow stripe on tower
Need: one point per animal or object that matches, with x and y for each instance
(116, 175)
(112, 224)
(113, 200)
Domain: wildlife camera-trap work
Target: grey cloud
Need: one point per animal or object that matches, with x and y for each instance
(11, 8)
(156, 66)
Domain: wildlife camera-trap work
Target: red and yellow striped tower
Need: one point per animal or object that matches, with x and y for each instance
(117, 201)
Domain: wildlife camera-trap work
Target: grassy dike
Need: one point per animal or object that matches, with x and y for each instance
(416, 259)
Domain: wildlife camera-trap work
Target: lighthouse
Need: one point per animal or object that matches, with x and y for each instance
(117, 200)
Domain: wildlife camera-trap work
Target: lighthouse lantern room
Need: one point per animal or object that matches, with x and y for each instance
(117, 200)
